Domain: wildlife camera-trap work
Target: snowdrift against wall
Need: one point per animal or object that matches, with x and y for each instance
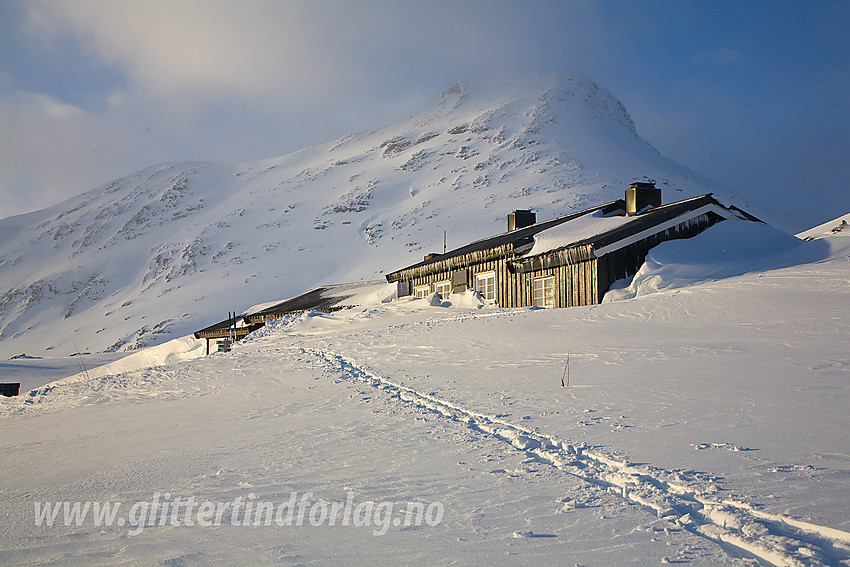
(725, 250)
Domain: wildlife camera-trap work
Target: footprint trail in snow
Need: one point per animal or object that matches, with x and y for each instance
(697, 505)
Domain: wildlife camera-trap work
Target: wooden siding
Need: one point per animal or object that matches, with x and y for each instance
(447, 266)
(576, 284)
(226, 332)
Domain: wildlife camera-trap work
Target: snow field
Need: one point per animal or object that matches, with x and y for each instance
(296, 426)
(704, 424)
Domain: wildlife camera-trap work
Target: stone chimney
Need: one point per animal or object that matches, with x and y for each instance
(640, 196)
(521, 219)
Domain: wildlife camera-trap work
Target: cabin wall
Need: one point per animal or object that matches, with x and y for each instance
(499, 266)
(575, 284)
(581, 279)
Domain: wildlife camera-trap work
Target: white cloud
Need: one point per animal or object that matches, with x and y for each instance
(220, 80)
(51, 150)
(300, 49)
(190, 46)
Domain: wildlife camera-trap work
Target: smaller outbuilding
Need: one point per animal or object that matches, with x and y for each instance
(327, 298)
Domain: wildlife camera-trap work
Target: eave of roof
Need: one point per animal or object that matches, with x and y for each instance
(226, 324)
(225, 332)
(222, 328)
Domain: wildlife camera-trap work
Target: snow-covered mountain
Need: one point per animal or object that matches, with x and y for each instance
(170, 248)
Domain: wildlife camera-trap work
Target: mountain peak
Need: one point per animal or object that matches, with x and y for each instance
(553, 93)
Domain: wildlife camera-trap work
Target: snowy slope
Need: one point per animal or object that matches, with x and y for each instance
(705, 424)
(173, 248)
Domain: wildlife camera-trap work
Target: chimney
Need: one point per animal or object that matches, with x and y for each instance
(521, 219)
(641, 195)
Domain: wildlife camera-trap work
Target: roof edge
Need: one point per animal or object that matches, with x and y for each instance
(508, 239)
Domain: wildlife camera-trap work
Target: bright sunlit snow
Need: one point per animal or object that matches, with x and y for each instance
(574, 231)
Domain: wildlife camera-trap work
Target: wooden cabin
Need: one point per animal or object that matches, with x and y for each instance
(567, 261)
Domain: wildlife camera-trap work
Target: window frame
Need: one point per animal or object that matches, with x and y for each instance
(418, 288)
(447, 284)
(490, 275)
(542, 280)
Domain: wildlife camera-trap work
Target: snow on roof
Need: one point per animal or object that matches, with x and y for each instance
(328, 297)
(834, 227)
(664, 225)
(576, 230)
(607, 234)
(261, 307)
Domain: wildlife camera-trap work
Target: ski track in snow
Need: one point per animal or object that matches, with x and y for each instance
(771, 538)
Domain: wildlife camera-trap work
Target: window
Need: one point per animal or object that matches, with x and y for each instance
(443, 289)
(543, 292)
(422, 291)
(485, 285)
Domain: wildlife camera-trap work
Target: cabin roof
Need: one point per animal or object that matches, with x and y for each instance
(325, 298)
(656, 216)
(223, 328)
(642, 221)
(519, 237)
(586, 235)
(226, 324)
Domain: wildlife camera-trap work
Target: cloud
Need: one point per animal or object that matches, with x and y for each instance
(188, 47)
(52, 150)
(300, 49)
(153, 80)
(94, 89)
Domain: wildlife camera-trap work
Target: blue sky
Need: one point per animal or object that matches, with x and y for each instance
(753, 94)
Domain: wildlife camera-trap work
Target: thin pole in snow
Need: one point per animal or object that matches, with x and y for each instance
(83, 370)
(444, 241)
(566, 375)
